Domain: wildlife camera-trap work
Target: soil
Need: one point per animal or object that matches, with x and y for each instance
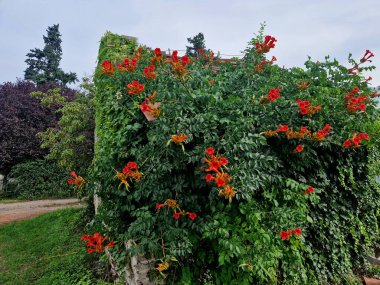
(11, 212)
(371, 281)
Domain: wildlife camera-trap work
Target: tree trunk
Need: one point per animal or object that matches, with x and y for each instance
(137, 269)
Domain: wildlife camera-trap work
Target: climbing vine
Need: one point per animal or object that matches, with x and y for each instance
(236, 171)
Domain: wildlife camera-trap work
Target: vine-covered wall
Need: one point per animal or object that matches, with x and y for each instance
(237, 172)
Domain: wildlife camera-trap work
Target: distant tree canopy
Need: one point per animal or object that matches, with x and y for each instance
(197, 42)
(43, 65)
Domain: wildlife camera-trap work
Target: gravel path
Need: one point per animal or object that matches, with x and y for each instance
(11, 212)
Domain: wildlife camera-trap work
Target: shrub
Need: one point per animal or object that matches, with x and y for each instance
(21, 118)
(38, 179)
(301, 210)
(71, 143)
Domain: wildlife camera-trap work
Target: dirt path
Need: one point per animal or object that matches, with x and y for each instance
(25, 210)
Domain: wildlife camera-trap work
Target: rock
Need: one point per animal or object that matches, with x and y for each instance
(1, 183)
(97, 200)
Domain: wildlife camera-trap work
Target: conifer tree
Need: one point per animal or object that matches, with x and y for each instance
(43, 65)
(197, 42)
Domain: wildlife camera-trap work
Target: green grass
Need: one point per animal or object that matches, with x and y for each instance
(45, 250)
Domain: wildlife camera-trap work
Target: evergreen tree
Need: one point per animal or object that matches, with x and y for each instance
(43, 65)
(197, 42)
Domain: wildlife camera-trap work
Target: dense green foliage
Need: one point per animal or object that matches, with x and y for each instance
(197, 42)
(37, 179)
(43, 65)
(45, 250)
(71, 143)
(222, 105)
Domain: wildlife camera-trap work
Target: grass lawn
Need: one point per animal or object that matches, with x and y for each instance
(45, 250)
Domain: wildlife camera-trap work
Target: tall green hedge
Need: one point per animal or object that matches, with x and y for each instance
(37, 179)
(224, 105)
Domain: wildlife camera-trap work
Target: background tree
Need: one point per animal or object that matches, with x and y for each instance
(43, 65)
(197, 42)
(21, 118)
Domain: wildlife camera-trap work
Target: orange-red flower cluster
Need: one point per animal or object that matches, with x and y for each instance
(135, 88)
(281, 129)
(95, 243)
(272, 95)
(179, 65)
(149, 72)
(170, 203)
(145, 107)
(128, 65)
(303, 85)
(266, 45)
(221, 178)
(78, 181)
(352, 93)
(206, 55)
(162, 266)
(157, 52)
(368, 54)
(139, 52)
(158, 58)
(191, 215)
(259, 67)
(302, 134)
(130, 172)
(299, 148)
(285, 235)
(353, 70)
(356, 140)
(174, 205)
(305, 108)
(321, 134)
(148, 106)
(354, 102)
(309, 190)
(107, 67)
(179, 139)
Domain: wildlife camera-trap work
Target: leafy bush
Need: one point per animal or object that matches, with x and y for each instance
(21, 118)
(302, 210)
(71, 143)
(38, 179)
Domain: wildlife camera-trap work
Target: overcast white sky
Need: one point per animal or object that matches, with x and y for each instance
(302, 27)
